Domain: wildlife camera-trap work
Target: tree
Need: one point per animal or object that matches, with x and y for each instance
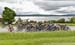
(19, 20)
(39, 23)
(61, 20)
(8, 15)
(32, 21)
(72, 20)
(53, 21)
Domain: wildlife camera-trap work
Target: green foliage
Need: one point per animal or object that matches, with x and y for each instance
(61, 20)
(72, 20)
(32, 21)
(53, 21)
(8, 15)
(19, 20)
(40, 23)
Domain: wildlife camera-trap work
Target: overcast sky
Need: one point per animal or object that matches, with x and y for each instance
(54, 7)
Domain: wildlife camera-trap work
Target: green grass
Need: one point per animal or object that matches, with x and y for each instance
(69, 24)
(38, 38)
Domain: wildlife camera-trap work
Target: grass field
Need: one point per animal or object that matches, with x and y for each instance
(69, 24)
(38, 38)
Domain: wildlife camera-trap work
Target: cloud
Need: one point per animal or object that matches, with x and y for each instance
(24, 7)
(36, 6)
(66, 10)
(50, 5)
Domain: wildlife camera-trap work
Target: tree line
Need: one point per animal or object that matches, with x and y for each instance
(62, 20)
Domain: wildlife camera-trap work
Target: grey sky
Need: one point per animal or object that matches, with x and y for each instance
(55, 4)
(39, 6)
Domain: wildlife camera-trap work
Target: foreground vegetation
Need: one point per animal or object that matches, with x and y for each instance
(38, 38)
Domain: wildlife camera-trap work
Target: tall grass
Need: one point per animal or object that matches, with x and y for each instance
(36, 38)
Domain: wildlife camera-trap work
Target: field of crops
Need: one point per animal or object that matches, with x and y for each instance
(38, 38)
